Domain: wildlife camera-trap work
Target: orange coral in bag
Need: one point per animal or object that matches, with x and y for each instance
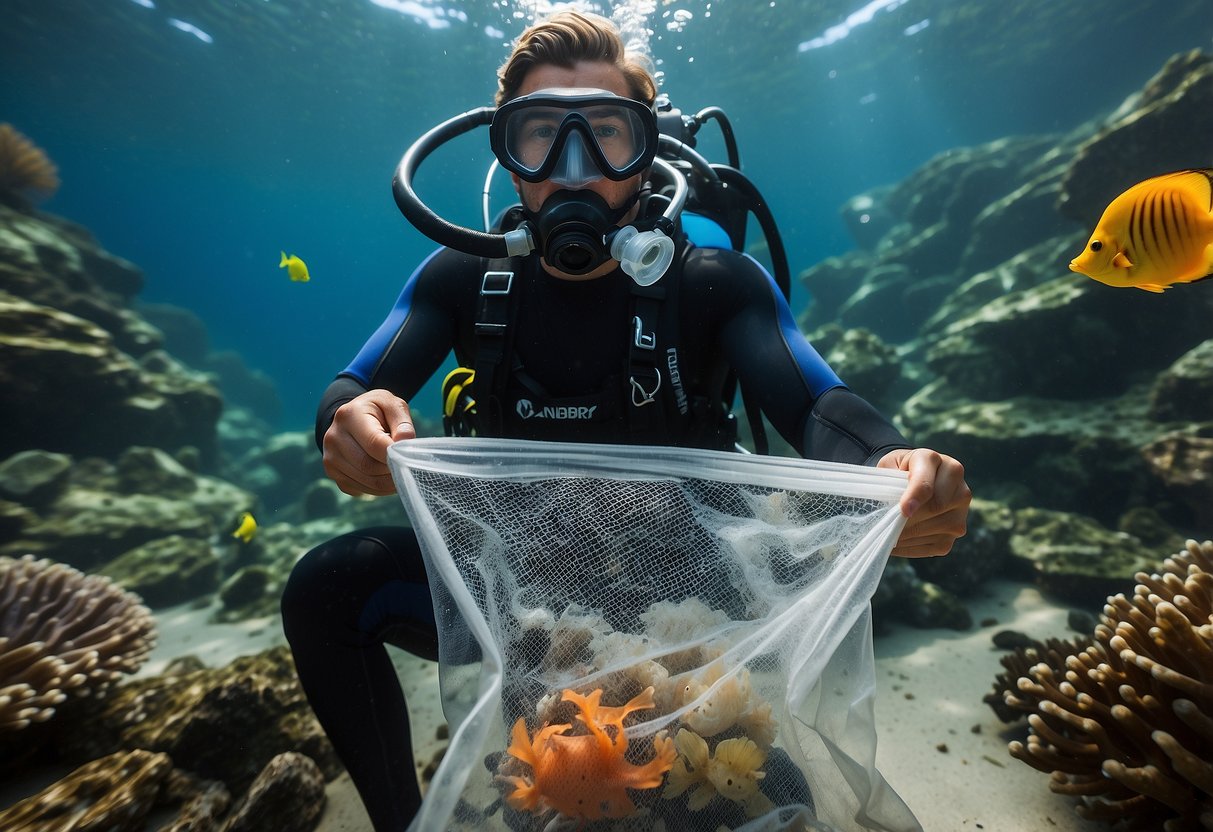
(585, 776)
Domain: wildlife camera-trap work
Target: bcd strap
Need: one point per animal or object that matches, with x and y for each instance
(492, 329)
(646, 406)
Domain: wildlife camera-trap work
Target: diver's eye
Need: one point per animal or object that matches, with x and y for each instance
(1096, 245)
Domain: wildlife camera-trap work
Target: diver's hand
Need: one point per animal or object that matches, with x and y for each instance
(935, 502)
(356, 443)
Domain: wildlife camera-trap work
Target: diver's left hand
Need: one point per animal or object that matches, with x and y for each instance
(935, 502)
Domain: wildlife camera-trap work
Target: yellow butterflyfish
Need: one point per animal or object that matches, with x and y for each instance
(1156, 234)
(295, 267)
(246, 528)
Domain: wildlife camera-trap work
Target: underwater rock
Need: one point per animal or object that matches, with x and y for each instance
(1077, 456)
(280, 469)
(52, 262)
(1062, 330)
(1074, 557)
(63, 633)
(1183, 460)
(867, 218)
(223, 724)
(1031, 267)
(244, 588)
(830, 283)
(142, 470)
(1029, 210)
(184, 333)
(112, 794)
(288, 794)
(244, 386)
(1184, 391)
(321, 499)
(52, 361)
(86, 528)
(1164, 127)
(167, 571)
(70, 337)
(1125, 726)
(34, 478)
(109, 509)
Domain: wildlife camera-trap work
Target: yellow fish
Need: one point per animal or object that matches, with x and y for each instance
(295, 267)
(1157, 233)
(246, 528)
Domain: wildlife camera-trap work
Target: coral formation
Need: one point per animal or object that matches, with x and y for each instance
(1126, 726)
(720, 701)
(63, 632)
(25, 169)
(731, 770)
(1052, 652)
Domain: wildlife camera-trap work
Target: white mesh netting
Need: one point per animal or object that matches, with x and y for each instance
(639, 638)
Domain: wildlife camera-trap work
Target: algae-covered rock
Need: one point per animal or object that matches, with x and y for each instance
(167, 571)
(223, 724)
(1183, 460)
(1068, 338)
(34, 478)
(1076, 558)
(1184, 391)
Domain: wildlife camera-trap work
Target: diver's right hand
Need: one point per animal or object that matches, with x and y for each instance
(355, 445)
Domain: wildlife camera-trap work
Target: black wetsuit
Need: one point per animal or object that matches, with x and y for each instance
(349, 596)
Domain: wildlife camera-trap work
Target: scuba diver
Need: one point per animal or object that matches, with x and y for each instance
(603, 308)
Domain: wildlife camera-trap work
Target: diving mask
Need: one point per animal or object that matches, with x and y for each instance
(573, 137)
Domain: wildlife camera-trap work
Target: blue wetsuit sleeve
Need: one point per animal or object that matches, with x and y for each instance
(406, 349)
(802, 397)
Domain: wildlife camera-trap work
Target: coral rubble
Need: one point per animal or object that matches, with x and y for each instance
(1126, 726)
(63, 632)
(25, 169)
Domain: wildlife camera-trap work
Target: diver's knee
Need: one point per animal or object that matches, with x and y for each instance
(305, 586)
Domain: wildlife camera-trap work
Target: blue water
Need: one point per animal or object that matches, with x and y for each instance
(199, 149)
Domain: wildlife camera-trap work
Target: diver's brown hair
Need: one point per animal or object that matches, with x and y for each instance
(565, 38)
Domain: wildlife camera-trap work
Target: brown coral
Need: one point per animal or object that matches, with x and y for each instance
(113, 794)
(25, 169)
(63, 632)
(1127, 728)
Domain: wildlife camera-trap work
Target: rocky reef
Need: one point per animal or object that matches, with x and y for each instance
(130, 451)
(1083, 413)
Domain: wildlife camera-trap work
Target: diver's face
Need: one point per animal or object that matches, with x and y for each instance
(585, 74)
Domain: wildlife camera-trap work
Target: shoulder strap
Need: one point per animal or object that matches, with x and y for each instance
(492, 329)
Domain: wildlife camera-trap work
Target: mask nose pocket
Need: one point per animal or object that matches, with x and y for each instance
(575, 168)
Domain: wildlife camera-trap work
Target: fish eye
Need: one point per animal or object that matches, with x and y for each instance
(1096, 245)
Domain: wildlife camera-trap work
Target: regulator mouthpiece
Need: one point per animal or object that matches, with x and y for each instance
(643, 255)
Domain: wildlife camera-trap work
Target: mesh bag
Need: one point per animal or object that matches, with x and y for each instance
(647, 638)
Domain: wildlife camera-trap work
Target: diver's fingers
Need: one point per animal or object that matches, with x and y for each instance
(928, 521)
(367, 477)
(933, 535)
(350, 466)
(928, 547)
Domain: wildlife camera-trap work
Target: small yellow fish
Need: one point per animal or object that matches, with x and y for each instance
(246, 528)
(1157, 233)
(295, 267)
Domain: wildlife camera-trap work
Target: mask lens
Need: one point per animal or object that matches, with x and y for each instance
(532, 138)
(529, 135)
